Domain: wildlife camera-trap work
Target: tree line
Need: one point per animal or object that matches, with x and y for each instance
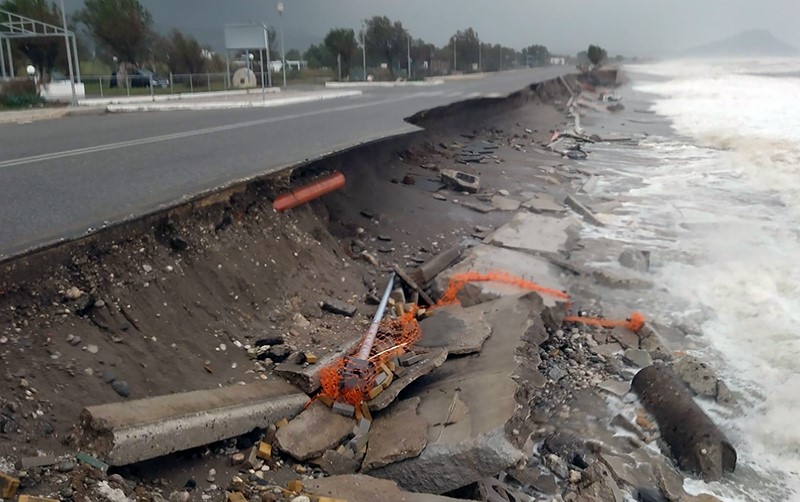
(122, 32)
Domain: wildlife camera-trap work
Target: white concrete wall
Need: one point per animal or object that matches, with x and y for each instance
(62, 91)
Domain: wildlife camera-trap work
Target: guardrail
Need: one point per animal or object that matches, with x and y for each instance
(137, 85)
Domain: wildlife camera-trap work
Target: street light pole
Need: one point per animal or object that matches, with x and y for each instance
(74, 100)
(364, 48)
(408, 39)
(455, 56)
(480, 62)
(283, 53)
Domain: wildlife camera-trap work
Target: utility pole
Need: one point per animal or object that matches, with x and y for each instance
(480, 63)
(283, 53)
(74, 100)
(455, 56)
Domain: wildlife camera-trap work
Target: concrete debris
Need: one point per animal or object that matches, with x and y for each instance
(638, 357)
(543, 203)
(535, 232)
(28, 463)
(651, 341)
(599, 484)
(398, 434)
(338, 308)
(478, 206)
(697, 375)
(8, 486)
(505, 203)
(635, 260)
(493, 490)
(612, 280)
(584, 211)
(695, 441)
(626, 338)
(461, 181)
(428, 271)
(339, 461)
(459, 330)
(330, 429)
(132, 431)
(357, 487)
(536, 479)
(615, 387)
(306, 378)
(431, 360)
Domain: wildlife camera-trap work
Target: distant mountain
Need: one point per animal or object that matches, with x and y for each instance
(759, 43)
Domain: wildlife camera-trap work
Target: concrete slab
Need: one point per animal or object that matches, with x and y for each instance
(468, 402)
(361, 487)
(543, 203)
(432, 360)
(315, 430)
(133, 431)
(584, 211)
(505, 203)
(534, 232)
(307, 377)
(485, 259)
(459, 330)
(396, 435)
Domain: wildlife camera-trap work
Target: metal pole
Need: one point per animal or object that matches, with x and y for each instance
(77, 59)
(208, 81)
(369, 341)
(191, 84)
(171, 82)
(339, 65)
(2, 60)
(101, 86)
(455, 55)
(480, 58)
(364, 48)
(10, 58)
(74, 101)
(269, 65)
(283, 53)
(263, 81)
(152, 89)
(227, 69)
(408, 41)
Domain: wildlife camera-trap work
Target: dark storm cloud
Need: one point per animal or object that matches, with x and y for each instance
(626, 26)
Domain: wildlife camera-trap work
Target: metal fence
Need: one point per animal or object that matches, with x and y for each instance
(139, 85)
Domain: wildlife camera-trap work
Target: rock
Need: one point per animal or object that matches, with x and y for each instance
(703, 497)
(459, 330)
(724, 395)
(180, 496)
(338, 308)
(503, 192)
(567, 446)
(635, 260)
(359, 487)
(121, 387)
(329, 428)
(461, 181)
(615, 387)
(651, 341)
(697, 375)
(638, 357)
(477, 206)
(574, 476)
(600, 484)
(279, 353)
(627, 338)
(73, 293)
(623, 423)
(557, 465)
(237, 458)
(92, 349)
(66, 466)
(439, 196)
(300, 320)
(606, 349)
(396, 435)
(650, 494)
(147, 268)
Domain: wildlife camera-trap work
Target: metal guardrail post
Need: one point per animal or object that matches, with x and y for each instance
(191, 83)
(152, 89)
(171, 82)
(208, 79)
(100, 79)
(128, 83)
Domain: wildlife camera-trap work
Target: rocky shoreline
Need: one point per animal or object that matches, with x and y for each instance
(515, 402)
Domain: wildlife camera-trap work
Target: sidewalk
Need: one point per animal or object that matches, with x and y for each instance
(394, 83)
(233, 101)
(120, 100)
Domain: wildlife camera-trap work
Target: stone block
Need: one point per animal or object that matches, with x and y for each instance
(397, 434)
(329, 429)
(264, 450)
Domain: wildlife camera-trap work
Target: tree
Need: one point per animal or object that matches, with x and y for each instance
(467, 47)
(536, 55)
(386, 41)
(342, 42)
(184, 53)
(123, 27)
(44, 52)
(318, 56)
(293, 55)
(596, 55)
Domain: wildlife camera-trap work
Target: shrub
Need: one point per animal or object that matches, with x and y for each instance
(19, 93)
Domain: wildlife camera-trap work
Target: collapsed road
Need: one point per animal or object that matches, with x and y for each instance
(61, 179)
(182, 356)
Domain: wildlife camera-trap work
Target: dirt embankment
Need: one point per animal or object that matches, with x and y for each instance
(183, 299)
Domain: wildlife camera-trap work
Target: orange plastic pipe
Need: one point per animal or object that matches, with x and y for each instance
(324, 185)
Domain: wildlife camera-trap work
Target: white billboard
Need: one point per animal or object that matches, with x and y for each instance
(245, 36)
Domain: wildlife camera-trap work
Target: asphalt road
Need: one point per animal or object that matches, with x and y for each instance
(60, 179)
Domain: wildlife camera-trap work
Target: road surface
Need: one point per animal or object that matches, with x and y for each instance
(61, 179)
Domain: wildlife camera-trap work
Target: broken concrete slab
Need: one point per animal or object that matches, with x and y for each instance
(584, 211)
(459, 330)
(627, 338)
(339, 308)
(543, 203)
(615, 387)
(396, 435)
(133, 431)
(339, 461)
(485, 259)
(329, 430)
(426, 272)
(535, 232)
(478, 206)
(651, 341)
(306, 377)
(467, 403)
(356, 487)
(432, 359)
(639, 358)
(461, 181)
(505, 203)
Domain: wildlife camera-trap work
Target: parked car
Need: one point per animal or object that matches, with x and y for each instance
(143, 77)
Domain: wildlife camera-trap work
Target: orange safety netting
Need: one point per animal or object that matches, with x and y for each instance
(351, 380)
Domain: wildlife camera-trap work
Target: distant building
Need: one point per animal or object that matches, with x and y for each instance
(558, 61)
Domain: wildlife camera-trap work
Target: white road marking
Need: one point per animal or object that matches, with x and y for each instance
(189, 134)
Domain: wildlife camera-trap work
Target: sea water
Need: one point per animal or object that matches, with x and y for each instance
(718, 201)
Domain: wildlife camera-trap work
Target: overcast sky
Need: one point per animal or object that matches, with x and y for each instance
(632, 27)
